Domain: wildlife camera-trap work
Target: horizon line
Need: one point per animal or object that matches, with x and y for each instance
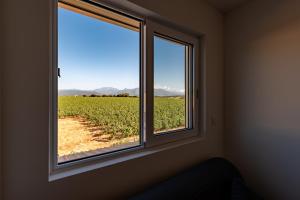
(172, 90)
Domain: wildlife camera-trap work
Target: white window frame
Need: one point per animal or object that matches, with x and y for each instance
(153, 29)
(151, 142)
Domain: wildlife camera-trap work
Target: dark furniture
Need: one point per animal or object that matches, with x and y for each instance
(213, 179)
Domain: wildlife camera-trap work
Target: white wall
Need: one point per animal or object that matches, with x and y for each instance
(263, 96)
(25, 108)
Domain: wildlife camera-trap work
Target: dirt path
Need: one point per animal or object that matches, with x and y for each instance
(77, 136)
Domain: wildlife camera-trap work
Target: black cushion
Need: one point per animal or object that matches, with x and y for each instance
(239, 191)
(212, 179)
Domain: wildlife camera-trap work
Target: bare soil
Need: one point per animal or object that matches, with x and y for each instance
(76, 135)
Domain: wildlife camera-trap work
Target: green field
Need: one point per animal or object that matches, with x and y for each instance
(119, 116)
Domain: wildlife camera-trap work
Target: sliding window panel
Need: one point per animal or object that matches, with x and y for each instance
(99, 106)
(172, 87)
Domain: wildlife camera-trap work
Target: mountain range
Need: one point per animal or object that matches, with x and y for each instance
(115, 91)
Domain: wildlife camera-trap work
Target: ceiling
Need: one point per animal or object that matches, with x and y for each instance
(226, 5)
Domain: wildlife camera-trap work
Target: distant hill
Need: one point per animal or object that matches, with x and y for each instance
(107, 90)
(115, 91)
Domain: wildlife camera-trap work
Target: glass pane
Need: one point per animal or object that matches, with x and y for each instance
(170, 111)
(98, 87)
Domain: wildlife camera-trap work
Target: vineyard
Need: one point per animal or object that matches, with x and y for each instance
(119, 116)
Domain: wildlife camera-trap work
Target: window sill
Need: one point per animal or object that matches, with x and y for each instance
(85, 165)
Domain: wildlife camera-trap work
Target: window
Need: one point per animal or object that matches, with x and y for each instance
(171, 102)
(120, 83)
(172, 84)
(98, 83)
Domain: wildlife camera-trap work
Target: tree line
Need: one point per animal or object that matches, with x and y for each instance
(109, 95)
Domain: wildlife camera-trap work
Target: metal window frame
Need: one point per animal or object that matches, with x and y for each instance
(148, 140)
(192, 75)
(188, 82)
(54, 165)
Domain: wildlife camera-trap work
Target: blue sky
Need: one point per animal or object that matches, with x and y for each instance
(94, 54)
(169, 62)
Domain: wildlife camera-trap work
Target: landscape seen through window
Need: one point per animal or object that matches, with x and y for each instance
(99, 86)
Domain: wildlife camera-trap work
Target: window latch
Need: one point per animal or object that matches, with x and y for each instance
(58, 72)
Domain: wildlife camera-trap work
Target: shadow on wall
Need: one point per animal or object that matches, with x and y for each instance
(262, 95)
(274, 162)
